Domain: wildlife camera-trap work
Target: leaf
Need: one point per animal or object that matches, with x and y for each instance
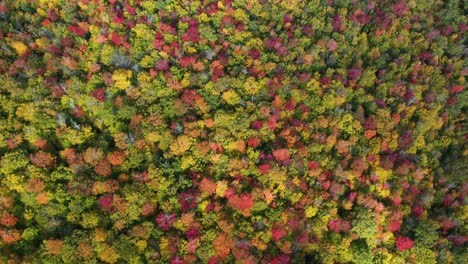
(121, 78)
(77, 30)
(208, 186)
(253, 142)
(369, 134)
(187, 219)
(403, 243)
(393, 226)
(35, 185)
(222, 245)
(225, 226)
(8, 219)
(311, 211)
(221, 188)
(42, 198)
(116, 158)
(342, 147)
(192, 245)
(332, 45)
(148, 208)
(231, 97)
(260, 245)
(115, 38)
(70, 63)
(92, 156)
(20, 47)
(273, 121)
(417, 211)
(54, 246)
(103, 168)
(216, 158)
(99, 94)
(264, 168)
(198, 66)
(338, 225)
(277, 102)
(243, 202)
(187, 61)
(268, 195)
(180, 145)
(10, 236)
(281, 155)
(456, 89)
(240, 146)
(188, 199)
(277, 234)
(165, 221)
(203, 148)
(337, 189)
(109, 254)
(106, 203)
(43, 159)
(85, 250)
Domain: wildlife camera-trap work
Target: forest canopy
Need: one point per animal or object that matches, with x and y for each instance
(235, 131)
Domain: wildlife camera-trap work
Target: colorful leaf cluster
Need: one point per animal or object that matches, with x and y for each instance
(233, 131)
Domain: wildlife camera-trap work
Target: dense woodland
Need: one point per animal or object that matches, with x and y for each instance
(235, 131)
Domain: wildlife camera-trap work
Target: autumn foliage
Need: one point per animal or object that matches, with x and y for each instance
(233, 131)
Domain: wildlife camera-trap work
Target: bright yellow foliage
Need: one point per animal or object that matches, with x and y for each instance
(121, 78)
(187, 162)
(180, 145)
(164, 246)
(295, 197)
(109, 255)
(204, 17)
(231, 97)
(141, 245)
(14, 182)
(100, 235)
(20, 47)
(221, 188)
(42, 43)
(383, 175)
(251, 86)
(311, 211)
